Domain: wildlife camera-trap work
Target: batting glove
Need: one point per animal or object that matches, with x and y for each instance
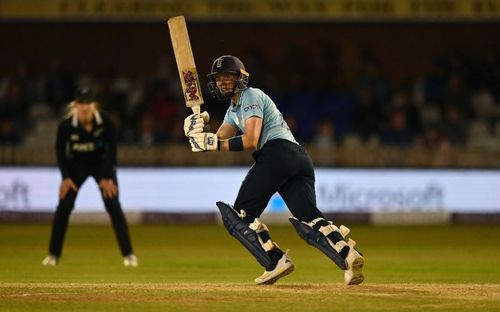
(202, 142)
(195, 123)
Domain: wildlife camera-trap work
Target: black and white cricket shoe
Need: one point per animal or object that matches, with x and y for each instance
(353, 275)
(284, 267)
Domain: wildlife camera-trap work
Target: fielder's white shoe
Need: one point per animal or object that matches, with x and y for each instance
(355, 262)
(50, 260)
(284, 267)
(130, 261)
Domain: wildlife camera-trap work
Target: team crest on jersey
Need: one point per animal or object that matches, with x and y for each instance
(74, 137)
(97, 132)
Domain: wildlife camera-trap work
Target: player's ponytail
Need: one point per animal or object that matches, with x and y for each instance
(70, 109)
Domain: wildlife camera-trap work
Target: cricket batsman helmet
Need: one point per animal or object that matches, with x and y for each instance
(227, 64)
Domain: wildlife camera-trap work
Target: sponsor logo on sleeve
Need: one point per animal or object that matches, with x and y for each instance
(251, 107)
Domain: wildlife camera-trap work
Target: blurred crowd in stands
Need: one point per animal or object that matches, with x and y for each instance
(454, 104)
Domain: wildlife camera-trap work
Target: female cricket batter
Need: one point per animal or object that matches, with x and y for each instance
(86, 146)
(281, 165)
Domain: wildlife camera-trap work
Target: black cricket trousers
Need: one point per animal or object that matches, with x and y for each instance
(284, 167)
(66, 205)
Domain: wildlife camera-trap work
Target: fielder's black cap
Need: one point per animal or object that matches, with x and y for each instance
(84, 95)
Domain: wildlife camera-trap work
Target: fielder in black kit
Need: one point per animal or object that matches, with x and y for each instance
(281, 165)
(86, 146)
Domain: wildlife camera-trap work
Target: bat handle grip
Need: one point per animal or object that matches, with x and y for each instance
(196, 109)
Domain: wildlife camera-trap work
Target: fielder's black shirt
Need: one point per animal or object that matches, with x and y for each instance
(77, 148)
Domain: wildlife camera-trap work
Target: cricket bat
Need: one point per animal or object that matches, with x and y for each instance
(185, 63)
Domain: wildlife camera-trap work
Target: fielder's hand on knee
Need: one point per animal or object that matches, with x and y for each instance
(66, 185)
(205, 141)
(195, 123)
(108, 188)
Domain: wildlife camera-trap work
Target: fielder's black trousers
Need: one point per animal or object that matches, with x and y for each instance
(66, 205)
(284, 167)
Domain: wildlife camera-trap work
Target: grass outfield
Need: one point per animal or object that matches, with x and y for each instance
(201, 268)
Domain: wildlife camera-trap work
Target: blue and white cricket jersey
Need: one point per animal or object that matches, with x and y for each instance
(254, 102)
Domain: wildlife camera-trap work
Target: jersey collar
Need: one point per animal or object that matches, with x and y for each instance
(97, 118)
(237, 103)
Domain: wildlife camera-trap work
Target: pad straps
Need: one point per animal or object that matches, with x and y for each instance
(263, 234)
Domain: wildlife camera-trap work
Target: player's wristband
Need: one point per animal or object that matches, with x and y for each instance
(235, 143)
